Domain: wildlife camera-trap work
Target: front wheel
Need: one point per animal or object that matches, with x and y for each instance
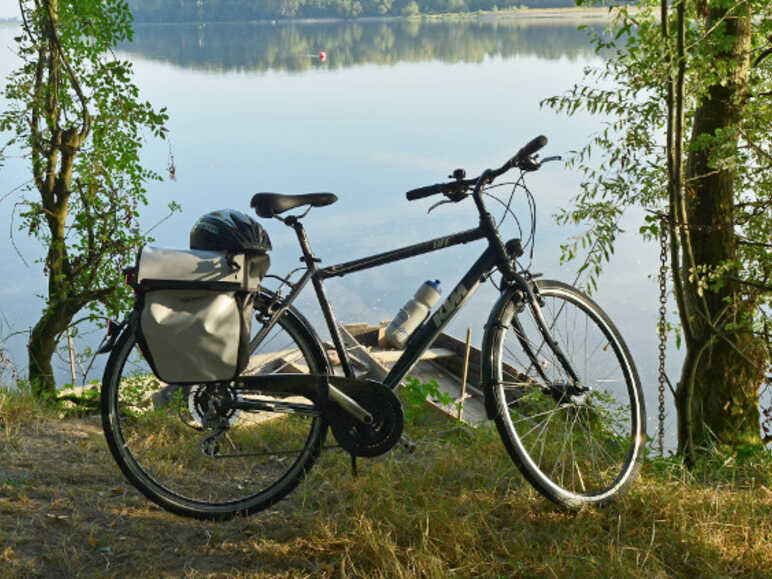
(576, 441)
(173, 444)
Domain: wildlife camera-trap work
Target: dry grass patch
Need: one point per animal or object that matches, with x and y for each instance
(455, 508)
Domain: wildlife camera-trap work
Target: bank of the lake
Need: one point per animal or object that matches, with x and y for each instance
(455, 508)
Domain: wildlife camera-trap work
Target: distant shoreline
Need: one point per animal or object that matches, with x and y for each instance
(525, 15)
(569, 13)
(543, 14)
(565, 13)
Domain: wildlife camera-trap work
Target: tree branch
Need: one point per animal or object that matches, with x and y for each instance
(715, 25)
(34, 122)
(85, 115)
(755, 147)
(758, 285)
(13, 241)
(719, 332)
(762, 56)
(25, 24)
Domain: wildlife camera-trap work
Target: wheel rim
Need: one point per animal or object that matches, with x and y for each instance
(258, 458)
(574, 444)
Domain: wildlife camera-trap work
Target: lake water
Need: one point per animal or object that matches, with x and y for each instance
(395, 105)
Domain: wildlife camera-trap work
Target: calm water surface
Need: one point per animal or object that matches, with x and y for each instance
(395, 105)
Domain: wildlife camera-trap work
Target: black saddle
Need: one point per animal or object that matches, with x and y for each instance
(270, 204)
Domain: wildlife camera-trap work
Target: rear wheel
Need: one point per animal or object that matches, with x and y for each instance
(173, 444)
(576, 442)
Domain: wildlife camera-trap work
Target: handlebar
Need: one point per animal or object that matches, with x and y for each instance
(420, 192)
(529, 149)
(455, 188)
(429, 190)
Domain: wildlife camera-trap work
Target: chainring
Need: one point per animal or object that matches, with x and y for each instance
(378, 437)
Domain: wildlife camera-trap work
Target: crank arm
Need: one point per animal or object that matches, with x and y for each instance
(349, 405)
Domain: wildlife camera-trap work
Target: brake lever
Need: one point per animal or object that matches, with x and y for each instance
(438, 204)
(533, 163)
(529, 164)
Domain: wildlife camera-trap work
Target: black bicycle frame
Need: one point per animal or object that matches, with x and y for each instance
(495, 255)
(425, 335)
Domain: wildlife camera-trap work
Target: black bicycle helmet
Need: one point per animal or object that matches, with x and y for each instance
(229, 230)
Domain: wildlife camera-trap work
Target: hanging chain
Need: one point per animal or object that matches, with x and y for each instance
(663, 238)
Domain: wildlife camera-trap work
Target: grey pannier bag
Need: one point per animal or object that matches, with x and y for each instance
(195, 306)
(196, 312)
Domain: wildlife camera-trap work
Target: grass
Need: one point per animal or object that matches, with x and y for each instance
(457, 507)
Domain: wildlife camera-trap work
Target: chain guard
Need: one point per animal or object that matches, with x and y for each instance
(382, 434)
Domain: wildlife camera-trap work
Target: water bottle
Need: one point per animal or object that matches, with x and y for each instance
(413, 313)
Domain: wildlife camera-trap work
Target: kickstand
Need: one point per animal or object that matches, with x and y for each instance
(354, 471)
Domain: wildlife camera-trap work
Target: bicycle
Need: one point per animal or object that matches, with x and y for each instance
(558, 380)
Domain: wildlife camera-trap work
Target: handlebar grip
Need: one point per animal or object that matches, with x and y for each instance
(531, 147)
(422, 192)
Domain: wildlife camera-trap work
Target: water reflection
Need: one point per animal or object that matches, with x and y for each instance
(220, 47)
(367, 133)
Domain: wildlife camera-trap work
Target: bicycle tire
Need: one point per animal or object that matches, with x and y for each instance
(575, 449)
(159, 446)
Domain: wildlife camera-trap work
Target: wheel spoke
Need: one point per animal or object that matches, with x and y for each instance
(581, 440)
(232, 460)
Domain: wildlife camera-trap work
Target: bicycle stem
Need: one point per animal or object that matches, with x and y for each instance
(488, 225)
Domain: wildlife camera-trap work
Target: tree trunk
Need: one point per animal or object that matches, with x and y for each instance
(40, 351)
(49, 112)
(717, 396)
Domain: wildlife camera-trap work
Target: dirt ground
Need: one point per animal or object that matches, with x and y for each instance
(67, 511)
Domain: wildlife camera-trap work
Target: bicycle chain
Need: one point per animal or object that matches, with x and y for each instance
(663, 237)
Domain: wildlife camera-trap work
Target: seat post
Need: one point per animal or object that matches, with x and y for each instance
(305, 246)
(329, 316)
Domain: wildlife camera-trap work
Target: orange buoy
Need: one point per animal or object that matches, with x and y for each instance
(322, 56)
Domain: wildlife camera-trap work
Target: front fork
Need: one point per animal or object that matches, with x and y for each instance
(527, 294)
(521, 290)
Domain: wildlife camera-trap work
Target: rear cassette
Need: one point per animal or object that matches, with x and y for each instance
(202, 396)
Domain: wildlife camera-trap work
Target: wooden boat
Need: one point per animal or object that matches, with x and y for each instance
(444, 362)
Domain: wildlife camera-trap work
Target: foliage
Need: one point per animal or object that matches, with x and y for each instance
(686, 137)
(625, 164)
(415, 393)
(108, 181)
(721, 465)
(75, 112)
(81, 403)
(244, 10)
